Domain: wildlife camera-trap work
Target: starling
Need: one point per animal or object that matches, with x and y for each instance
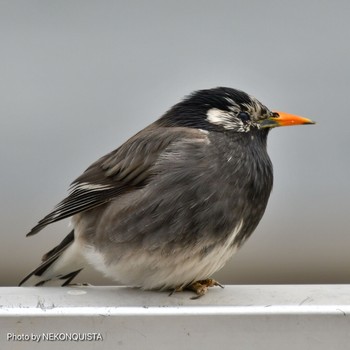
(172, 204)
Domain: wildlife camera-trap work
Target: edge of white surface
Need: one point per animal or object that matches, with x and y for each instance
(124, 301)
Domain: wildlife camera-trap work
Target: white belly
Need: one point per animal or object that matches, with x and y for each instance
(156, 271)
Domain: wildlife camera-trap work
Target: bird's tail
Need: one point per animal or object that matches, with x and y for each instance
(59, 266)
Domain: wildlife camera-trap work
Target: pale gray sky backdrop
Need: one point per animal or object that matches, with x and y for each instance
(77, 78)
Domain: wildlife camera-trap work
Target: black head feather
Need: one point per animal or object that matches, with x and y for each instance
(219, 109)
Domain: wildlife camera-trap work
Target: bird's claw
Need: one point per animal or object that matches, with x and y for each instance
(201, 287)
(176, 290)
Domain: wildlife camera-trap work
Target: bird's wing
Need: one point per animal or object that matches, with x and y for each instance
(123, 170)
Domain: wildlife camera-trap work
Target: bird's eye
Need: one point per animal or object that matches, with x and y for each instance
(244, 116)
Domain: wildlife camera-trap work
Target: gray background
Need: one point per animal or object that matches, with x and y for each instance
(77, 78)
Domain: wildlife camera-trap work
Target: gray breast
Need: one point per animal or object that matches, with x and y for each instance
(197, 196)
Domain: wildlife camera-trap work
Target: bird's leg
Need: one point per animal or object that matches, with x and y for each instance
(176, 290)
(201, 287)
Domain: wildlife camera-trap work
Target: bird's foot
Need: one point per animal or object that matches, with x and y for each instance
(201, 287)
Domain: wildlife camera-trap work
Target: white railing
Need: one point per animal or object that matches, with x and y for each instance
(237, 317)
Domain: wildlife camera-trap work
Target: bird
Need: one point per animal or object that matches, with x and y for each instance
(171, 205)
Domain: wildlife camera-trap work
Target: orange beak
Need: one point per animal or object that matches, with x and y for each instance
(284, 119)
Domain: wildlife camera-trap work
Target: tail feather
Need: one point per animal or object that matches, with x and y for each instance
(59, 266)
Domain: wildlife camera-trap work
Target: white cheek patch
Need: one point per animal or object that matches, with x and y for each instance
(219, 117)
(227, 120)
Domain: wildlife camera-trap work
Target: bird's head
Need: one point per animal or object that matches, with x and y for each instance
(226, 109)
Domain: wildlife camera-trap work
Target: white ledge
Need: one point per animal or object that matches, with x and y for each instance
(245, 317)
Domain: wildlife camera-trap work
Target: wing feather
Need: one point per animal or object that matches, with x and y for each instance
(125, 169)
